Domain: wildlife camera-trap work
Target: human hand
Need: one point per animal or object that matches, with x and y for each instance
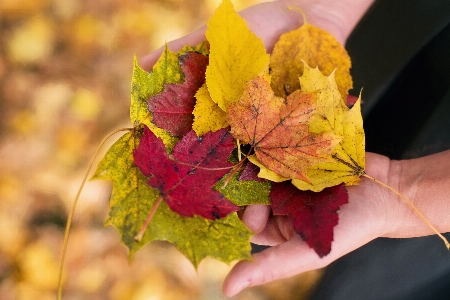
(269, 20)
(370, 213)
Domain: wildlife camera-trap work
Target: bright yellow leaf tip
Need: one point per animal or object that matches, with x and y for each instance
(237, 55)
(333, 114)
(207, 115)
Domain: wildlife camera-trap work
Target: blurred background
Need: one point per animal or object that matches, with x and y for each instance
(65, 73)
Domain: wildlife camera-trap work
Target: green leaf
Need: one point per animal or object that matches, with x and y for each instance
(132, 199)
(200, 48)
(226, 239)
(243, 192)
(145, 84)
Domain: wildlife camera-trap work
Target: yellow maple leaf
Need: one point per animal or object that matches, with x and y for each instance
(348, 157)
(332, 114)
(317, 48)
(236, 55)
(207, 115)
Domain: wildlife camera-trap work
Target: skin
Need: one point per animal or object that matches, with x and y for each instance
(373, 210)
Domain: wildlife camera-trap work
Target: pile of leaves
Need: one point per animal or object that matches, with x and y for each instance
(223, 125)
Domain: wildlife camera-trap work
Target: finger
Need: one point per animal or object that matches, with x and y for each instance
(257, 17)
(255, 217)
(285, 260)
(278, 230)
(191, 39)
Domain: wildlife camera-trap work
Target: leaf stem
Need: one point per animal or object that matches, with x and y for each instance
(447, 244)
(236, 168)
(198, 167)
(72, 210)
(141, 232)
(239, 150)
(299, 10)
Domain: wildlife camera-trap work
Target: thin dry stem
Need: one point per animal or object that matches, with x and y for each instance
(72, 210)
(299, 10)
(239, 150)
(198, 167)
(447, 244)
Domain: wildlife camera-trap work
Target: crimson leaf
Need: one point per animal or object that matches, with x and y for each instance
(185, 182)
(251, 173)
(172, 108)
(313, 214)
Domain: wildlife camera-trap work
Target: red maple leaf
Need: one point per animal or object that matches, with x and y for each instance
(172, 108)
(185, 182)
(251, 173)
(351, 100)
(313, 214)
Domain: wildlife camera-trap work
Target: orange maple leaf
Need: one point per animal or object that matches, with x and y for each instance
(278, 129)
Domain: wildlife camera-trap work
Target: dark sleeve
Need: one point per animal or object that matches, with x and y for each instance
(401, 61)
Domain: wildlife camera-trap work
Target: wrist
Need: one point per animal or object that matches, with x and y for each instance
(425, 182)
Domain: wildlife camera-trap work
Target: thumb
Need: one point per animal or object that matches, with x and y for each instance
(281, 261)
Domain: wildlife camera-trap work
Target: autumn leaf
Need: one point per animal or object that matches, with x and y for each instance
(186, 182)
(172, 109)
(317, 48)
(333, 114)
(201, 48)
(207, 115)
(251, 173)
(278, 129)
(264, 172)
(242, 189)
(236, 55)
(313, 215)
(226, 239)
(145, 84)
(132, 198)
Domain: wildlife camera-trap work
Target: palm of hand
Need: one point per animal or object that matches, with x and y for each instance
(363, 219)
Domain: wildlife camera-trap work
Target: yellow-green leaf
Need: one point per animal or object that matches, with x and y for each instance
(132, 199)
(200, 48)
(243, 192)
(317, 48)
(207, 114)
(145, 84)
(226, 239)
(236, 55)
